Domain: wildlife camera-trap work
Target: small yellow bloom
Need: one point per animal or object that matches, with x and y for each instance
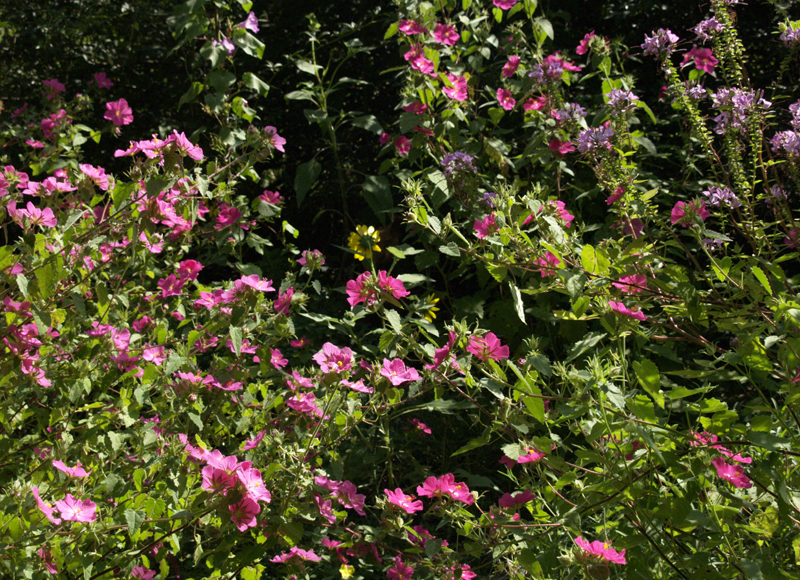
(346, 571)
(364, 241)
(432, 310)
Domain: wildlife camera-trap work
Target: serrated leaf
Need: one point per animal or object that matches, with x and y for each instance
(394, 319)
(451, 249)
(134, 519)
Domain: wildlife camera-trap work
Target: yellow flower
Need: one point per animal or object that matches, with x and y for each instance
(346, 571)
(363, 242)
(430, 306)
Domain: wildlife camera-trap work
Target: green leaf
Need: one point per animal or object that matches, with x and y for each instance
(46, 278)
(433, 546)
(527, 559)
(650, 379)
(236, 338)
(450, 249)
(115, 439)
(519, 307)
(759, 274)
(221, 80)
(474, 444)
(134, 519)
(495, 114)
(378, 194)
(308, 67)
(250, 44)
(546, 27)
(307, 174)
(194, 91)
(583, 345)
(394, 319)
(751, 569)
(391, 31)
(594, 261)
(368, 123)
(768, 441)
(253, 82)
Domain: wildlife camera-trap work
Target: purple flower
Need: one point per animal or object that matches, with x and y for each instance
(722, 196)
(661, 44)
(706, 28)
(620, 100)
(250, 23)
(458, 161)
(595, 138)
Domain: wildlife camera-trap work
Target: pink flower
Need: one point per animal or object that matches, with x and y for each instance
(446, 34)
(487, 347)
(420, 426)
(510, 67)
(402, 144)
(73, 510)
(440, 354)
(401, 570)
(358, 291)
(254, 485)
(96, 174)
(295, 552)
(406, 502)
(418, 61)
(253, 443)
(506, 99)
(102, 80)
(39, 217)
(391, 286)
(534, 104)
(275, 140)
(446, 485)
(603, 551)
(619, 192)
(733, 474)
(523, 497)
(284, 302)
(416, 107)
(385, 138)
(397, 373)
(683, 213)
(47, 560)
(228, 215)
(257, 282)
(189, 269)
(560, 148)
(332, 359)
(532, 455)
(299, 343)
(485, 227)
(703, 59)
(561, 209)
(631, 284)
(276, 358)
(504, 4)
(45, 508)
(243, 514)
(548, 264)
(583, 47)
(216, 480)
(119, 113)
(154, 354)
(76, 471)
(622, 309)
(459, 90)
(53, 87)
(411, 27)
(142, 573)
